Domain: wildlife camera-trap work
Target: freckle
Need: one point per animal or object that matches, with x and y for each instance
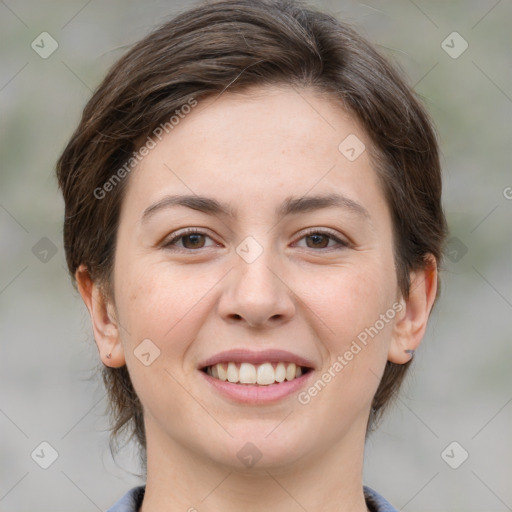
(133, 295)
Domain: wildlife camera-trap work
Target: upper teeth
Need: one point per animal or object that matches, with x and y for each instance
(248, 373)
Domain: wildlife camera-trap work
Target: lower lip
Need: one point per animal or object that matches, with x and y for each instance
(255, 394)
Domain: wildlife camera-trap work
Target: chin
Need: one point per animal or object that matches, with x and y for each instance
(260, 449)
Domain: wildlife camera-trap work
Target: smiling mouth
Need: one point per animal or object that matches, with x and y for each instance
(264, 374)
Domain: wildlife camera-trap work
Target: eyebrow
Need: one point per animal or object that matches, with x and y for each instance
(290, 206)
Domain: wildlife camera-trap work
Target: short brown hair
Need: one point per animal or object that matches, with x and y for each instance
(237, 44)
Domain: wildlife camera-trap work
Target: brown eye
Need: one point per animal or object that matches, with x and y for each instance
(319, 240)
(191, 240)
(322, 239)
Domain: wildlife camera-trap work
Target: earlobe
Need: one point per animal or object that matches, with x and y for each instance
(104, 323)
(411, 323)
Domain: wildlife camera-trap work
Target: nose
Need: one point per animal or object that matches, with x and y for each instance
(257, 293)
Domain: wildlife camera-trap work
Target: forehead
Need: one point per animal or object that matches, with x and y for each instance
(257, 147)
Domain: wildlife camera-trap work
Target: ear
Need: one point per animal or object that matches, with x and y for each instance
(104, 323)
(411, 322)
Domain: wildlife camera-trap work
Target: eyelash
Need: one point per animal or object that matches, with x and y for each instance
(342, 244)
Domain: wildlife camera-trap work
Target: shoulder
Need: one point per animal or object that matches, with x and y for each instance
(130, 502)
(375, 502)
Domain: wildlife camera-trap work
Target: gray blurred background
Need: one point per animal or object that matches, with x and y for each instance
(460, 387)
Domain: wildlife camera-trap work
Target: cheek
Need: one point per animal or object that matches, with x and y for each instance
(350, 298)
(355, 332)
(164, 303)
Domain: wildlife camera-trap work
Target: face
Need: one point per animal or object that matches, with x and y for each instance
(290, 260)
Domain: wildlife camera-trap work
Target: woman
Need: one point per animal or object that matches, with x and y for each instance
(254, 222)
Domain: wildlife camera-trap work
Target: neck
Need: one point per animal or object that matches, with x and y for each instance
(179, 479)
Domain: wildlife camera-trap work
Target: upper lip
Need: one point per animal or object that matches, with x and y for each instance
(242, 355)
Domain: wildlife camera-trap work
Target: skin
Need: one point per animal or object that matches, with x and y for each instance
(308, 295)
